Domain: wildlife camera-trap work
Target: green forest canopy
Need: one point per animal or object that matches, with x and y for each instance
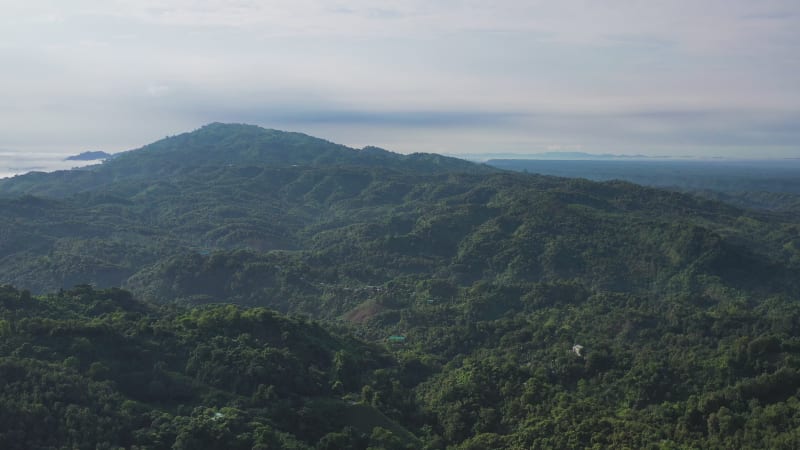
(686, 308)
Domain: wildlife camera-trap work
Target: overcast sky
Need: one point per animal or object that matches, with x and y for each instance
(677, 77)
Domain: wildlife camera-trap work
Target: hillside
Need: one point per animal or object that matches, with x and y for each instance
(95, 368)
(229, 188)
(225, 145)
(685, 308)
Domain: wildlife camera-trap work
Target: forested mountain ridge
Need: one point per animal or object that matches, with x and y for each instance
(232, 145)
(685, 308)
(240, 187)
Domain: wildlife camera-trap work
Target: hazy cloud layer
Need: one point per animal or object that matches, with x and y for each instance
(708, 77)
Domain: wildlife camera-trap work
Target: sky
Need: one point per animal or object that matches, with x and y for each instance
(673, 77)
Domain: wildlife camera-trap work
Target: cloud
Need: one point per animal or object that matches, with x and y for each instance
(447, 74)
(402, 119)
(776, 15)
(157, 90)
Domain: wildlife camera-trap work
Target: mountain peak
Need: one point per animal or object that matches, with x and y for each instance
(235, 144)
(243, 144)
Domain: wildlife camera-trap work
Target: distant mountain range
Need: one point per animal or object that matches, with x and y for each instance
(583, 156)
(552, 155)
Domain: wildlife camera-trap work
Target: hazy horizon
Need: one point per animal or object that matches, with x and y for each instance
(705, 79)
(20, 163)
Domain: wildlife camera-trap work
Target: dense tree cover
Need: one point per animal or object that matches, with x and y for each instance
(651, 373)
(450, 298)
(89, 368)
(377, 224)
(786, 204)
(492, 368)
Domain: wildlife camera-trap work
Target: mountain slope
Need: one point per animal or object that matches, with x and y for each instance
(200, 193)
(219, 145)
(473, 286)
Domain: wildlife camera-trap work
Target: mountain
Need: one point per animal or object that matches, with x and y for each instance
(227, 145)
(464, 289)
(261, 217)
(89, 156)
(399, 222)
(575, 156)
(504, 158)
